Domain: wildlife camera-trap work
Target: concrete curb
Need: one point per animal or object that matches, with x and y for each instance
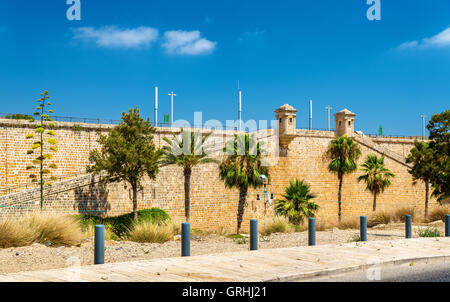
(358, 268)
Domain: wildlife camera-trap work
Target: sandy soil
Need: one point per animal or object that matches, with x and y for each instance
(41, 257)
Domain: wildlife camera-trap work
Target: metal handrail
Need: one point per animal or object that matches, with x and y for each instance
(31, 185)
(394, 136)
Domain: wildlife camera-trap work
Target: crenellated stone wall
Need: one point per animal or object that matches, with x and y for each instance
(213, 205)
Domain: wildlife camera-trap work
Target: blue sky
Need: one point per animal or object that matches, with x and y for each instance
(388, 72)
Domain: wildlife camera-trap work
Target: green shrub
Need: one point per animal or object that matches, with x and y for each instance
(77, 128)
(299, 228)
(89, 231)
(235, 236)
(355, 238)
(19, 116)
(429, 232)
(122, 224)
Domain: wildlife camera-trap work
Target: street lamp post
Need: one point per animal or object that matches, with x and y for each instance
(267, 199)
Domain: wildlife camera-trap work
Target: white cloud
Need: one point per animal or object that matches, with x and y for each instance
(407, 45)
(442, 39)
(187, 42)
(253, 34)
(114, 37)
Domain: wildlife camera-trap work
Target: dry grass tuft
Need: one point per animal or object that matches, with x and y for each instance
(40, 228)
(176, 223)
(278, 224)
(58, 230)
(322, 226)
(349, 223)
(14, 233)
(439, 213)
(220, 231)
(379, 218)
(399, 215)
(150, 231)
(89, 232)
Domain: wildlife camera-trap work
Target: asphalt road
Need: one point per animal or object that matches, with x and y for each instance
(433, 272)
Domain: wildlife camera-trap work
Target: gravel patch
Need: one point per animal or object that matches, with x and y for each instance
(42, 257)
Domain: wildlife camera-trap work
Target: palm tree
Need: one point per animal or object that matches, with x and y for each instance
(241, 168)
(377, 176)
(187, 152)
(297, 202)
(343, 153)
(421, 156)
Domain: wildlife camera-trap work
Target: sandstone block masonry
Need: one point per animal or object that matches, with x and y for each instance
(301, 156)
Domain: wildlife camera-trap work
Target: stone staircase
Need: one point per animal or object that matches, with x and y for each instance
(367, 142)
(30, 198)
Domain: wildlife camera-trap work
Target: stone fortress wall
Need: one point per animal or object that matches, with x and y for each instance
(301, 155)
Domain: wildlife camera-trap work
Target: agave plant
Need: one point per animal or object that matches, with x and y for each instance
(43, 146)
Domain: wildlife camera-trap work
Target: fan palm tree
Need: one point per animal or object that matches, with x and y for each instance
(343, 153)
(241, 168)
(421, 156)
(187, 150)
(377, 176)
(297, 202)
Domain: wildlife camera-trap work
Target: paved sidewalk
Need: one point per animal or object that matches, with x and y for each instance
(286, 264)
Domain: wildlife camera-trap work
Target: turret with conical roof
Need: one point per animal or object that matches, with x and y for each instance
(345, 120)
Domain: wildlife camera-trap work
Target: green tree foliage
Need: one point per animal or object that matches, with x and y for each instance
(439, 127)
(242, 167)
(19, 116)
(43, 146)
(421, 157)
(127, 153)
(187, 151)
(343, 152)
(376, 176)
(297, 203)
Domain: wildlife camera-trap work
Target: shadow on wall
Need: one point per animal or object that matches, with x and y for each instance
(92, 199)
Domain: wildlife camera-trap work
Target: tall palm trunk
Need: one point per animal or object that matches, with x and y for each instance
(340, 198)
(427, 191)
(135, 212)
(374, 202)
(241, 208)
(187, 191)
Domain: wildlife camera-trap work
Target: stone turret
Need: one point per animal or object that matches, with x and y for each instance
(345, 120)
(286, 116)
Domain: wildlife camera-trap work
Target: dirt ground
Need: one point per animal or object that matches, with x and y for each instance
(41, 257)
